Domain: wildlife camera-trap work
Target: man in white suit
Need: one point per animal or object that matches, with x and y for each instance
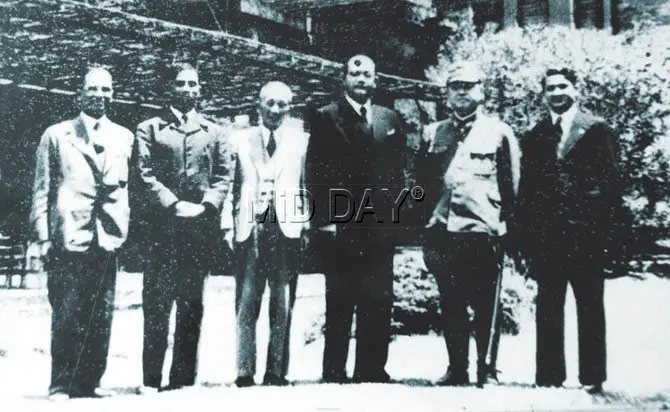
(269, 215)
(79, 218)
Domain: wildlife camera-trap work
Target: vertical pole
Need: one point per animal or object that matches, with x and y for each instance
(562, 12)
(607, 15)
(511, 12)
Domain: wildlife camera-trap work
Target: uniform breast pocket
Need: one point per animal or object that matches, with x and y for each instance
(482, 164)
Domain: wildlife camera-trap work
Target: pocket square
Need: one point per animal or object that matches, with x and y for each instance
(390, 132)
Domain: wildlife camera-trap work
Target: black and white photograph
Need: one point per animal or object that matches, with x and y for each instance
(335, 205)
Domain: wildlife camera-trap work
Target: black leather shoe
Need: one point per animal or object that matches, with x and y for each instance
(379, 377)
(335, 378)
(244, 381)
(593, 389)
(173, 387)
(272, 380)
(454, 378)
(486, 375)
(548, 384)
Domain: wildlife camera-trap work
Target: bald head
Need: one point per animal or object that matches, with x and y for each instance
(277, 90)
(98, 75)
(360, 78)
(97, 92)
(275, 104)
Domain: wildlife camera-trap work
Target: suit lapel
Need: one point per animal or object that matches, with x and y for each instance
(346, 118)
(257, 152)
(579, 126)
(82, 142)
(284, 143)
(192, 125)
(379, 123)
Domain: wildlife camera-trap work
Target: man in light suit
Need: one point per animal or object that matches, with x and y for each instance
(356, 148)
(80, 217)
(186, 167)
(571, 221)
(270, 214)
(469, 169)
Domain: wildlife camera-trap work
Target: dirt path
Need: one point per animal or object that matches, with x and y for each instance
(638, 360)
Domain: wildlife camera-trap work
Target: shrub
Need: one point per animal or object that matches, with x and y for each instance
(416, 308)
(417, 301)
(623, 78)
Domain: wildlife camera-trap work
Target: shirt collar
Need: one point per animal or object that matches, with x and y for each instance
(179, 115)
(566, 118)
(357, 106)
(89, 121)
(265, 134)
(469, 118)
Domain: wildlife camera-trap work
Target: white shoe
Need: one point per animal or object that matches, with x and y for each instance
(147, 390)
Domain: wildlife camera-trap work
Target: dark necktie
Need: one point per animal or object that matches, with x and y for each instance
(96, 140)
(364, 114)
(272, 144)
(558, 132)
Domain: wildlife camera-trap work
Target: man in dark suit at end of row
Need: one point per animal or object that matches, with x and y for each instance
(569, 214)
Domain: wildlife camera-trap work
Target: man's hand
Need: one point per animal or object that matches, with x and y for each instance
(304, 240)
(45, 248)
(332, 228)
(188, 209)
(228, 237)
(435, 219)
(37, 255)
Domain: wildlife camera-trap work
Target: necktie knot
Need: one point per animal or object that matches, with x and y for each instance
(559, 119)
(96, 126)
(364, 113)
(272, 144)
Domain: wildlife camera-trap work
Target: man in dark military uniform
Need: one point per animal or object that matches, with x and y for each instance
(186, 167)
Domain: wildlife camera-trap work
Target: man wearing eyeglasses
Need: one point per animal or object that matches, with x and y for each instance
(186, 166)
(570, 216)
(468, 166)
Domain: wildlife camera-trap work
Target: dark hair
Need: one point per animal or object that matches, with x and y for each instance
(569, 74)
(170, 71)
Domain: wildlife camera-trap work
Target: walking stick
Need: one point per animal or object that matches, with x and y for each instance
(496, 305)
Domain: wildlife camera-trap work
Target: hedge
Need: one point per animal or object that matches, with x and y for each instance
(623, 78)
